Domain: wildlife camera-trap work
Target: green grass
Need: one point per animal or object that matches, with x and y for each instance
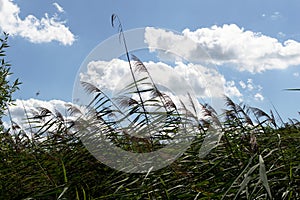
(257, 158)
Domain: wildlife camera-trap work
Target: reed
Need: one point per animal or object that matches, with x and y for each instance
(257, 157)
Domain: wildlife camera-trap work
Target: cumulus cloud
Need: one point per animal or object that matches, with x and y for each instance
(258, 97)
(248, 85)
(36, 30)
(205, 82)
(251, 90)
(103, 74)
(231, 90)
(29, 107)
(228, 44)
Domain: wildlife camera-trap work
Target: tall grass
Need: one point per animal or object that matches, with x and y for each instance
(256, 158)
(258, 161)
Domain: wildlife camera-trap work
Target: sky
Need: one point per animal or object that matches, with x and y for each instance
(253, 47)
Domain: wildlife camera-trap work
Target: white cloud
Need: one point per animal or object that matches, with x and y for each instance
(231, 90)
(259, 87)
(31, 106)
(296, 74)
(258, 97)
(251, 90)
(242, 84)
(250, 84)
(58, 7)
(103, 74)
(42, 30)
(242, 49)
(206, 82)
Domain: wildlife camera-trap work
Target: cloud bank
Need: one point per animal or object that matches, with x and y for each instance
(36, 30)
(227, 45)
(206, 82)
(31, 106)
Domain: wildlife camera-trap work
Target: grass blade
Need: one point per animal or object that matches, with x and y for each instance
(263, 175)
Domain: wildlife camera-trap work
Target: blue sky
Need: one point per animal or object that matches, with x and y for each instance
(48, 62)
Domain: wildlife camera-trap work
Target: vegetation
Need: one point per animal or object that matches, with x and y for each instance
(6, 89)
(257, 157)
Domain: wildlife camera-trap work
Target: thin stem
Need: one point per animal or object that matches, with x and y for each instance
(114, 17)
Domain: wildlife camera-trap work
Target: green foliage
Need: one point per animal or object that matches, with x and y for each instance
(6, 89)
(54, 164)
